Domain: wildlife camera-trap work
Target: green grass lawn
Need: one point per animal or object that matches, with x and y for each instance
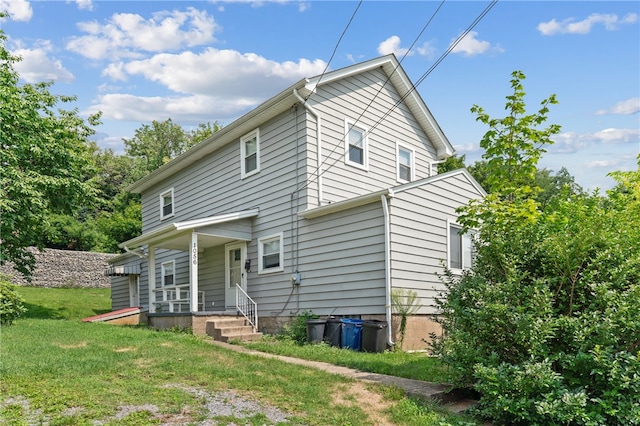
(57, 370)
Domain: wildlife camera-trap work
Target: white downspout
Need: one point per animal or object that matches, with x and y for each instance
(387, 266)
(318, 139)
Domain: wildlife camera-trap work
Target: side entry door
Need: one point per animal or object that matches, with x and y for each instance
(235, 255)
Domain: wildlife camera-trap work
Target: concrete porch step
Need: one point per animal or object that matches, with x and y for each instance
(225, 329)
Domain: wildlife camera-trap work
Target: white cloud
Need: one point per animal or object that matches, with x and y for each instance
(470, 45)
(225, 73)
(18, 10)
(571, 26)
(212, 85)
(36, 64)
(467, 148)
(125, 35)
(188, 109)
(598, 164)
(626, 107)
(571, 142)
(84, 4)
(392, 45)
(617, 135)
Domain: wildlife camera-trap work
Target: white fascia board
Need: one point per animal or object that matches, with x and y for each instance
(345, 204)
(174, 229)
(398, 77)
(441, 176)
(227, 134)
(208, 221)
(359, 68)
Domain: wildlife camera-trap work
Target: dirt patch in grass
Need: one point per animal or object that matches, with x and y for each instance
(227, 404)
(358, 395)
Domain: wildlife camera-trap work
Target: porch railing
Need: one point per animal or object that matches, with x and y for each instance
(247, 307)
(176, 299)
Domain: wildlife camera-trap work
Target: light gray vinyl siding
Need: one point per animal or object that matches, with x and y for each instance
(341, 259)
(419, 234)
(348, 99)
(119, 292)
(213, 185)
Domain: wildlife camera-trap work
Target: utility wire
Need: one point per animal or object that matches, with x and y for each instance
(415, 40)
(353, 15)
(413, 88)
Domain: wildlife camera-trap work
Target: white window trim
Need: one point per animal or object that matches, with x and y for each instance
(244, 174)
(261, 242)
(412, 164)
(162, 270)
(450, 224)
(348, 124)
(173, 204)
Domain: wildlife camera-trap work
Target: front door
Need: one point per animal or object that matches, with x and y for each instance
(236, 253)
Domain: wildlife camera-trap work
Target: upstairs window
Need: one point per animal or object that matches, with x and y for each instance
(168, 273)
(404, 164)
(250, 154)
(460, 248)
(166, 204)
(271, 253)
(356, 146)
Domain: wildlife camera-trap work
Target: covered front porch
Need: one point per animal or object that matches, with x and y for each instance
(197, 268)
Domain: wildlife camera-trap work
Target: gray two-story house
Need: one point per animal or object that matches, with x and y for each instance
(325, 198)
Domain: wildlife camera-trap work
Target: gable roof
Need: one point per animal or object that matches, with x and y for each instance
(283, 101)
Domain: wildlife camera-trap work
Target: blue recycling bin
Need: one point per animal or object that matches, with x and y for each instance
(351, 337)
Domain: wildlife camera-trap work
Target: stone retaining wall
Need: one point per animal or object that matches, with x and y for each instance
(64, 268)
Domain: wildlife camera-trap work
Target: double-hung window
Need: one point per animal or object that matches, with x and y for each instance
(460, 248)
(168, 273)
(356, 146)
(271, 253)
(404, 164)
(166, 204)
(250, 154)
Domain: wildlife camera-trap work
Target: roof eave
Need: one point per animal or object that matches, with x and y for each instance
(227, 134)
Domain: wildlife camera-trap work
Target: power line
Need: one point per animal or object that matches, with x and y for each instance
(409, 92)
(335, 49)
(415, 40)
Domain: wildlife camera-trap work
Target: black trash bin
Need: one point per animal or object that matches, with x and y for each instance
(332, 332)
(374, 336)
(315, 330)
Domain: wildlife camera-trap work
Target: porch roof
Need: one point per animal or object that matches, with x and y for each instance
(210, 231)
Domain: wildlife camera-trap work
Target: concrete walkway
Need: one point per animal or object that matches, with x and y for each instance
(414, 388)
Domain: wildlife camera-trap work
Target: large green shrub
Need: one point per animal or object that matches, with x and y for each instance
(11, 303)
(546, 327)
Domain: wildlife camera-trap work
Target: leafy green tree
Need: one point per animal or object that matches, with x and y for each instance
(562, 184)
(454, 162)
(545, 326)
(157, 143)
(11, 303)
(44, 158)
(203, 131)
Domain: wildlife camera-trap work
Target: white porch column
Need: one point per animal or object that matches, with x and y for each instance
(193, 272)
(151, 269)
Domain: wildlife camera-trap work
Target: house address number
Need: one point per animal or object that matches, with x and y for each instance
(194, 254)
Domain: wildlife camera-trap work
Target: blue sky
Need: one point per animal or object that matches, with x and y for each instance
(138, 61)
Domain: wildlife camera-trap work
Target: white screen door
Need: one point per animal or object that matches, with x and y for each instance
(236, 254)
(134, 291)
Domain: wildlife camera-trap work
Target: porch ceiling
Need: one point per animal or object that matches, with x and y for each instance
(210, 230)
